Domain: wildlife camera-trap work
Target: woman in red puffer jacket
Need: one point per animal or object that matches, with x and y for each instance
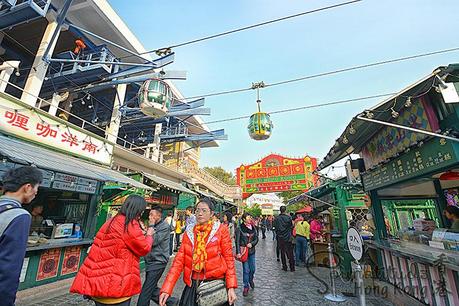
(111, 273)
(206, 254)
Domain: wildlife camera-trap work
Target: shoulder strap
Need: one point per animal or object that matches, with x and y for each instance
(8, 215)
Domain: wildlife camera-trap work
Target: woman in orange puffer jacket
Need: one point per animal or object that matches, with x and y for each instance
(111, 273)
(206, 253)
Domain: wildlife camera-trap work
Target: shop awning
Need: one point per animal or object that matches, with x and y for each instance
(359, 132)
(205, 194)
(29, 154)
(167, 183)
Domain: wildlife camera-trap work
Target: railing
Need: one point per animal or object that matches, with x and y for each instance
(211, 182)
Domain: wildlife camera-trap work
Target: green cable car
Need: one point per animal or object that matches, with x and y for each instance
(155, 98)
(260, 125)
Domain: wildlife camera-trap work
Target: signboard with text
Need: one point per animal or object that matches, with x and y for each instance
(431, 156)
(389, 140)
(37, 126)
(276, 173)
(354, 243)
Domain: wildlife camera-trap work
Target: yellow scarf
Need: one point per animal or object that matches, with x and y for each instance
(201, 232)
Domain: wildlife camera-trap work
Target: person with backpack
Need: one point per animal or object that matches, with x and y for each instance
(284, 232)
(20, 186)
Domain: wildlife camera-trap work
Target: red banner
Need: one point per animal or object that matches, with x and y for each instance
(276, 173)
(71, 260)
(49, 263)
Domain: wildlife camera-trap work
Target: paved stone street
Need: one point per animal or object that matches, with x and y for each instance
(273, 286)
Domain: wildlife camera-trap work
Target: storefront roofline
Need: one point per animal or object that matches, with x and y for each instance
(167, 183)
(363, 131)
(120, 154)
(26, 153)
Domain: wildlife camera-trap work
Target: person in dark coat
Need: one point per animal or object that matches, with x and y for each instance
(20, 186)
(263, 226)
(156, 261)
(284, 228)
(247, 236)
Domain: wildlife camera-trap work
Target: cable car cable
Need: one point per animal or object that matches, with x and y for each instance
(245, 28)
(332, 72)
(305, 107)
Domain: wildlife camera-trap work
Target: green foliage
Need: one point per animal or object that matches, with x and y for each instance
(255, 210)
(221, 174)
(296, 206)
(287, 195)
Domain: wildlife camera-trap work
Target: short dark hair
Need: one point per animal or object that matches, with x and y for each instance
(36, 205)
(452, 209)
(15, 178)
(208, 201)
(190, 208)
(245, 215)
(229, 216)
(283, 209)
(169, 214)
(157, 208)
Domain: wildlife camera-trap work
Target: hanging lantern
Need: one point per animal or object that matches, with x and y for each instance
(155, 98)
(260, 124)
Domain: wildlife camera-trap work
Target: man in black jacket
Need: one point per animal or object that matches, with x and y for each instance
(156, 260)
(284, 228)
(20, 186)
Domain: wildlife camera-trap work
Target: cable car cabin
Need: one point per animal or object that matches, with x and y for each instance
(155, 98)
(14, 12)
(260, 126)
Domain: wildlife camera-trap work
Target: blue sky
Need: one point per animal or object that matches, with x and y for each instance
(357, 34)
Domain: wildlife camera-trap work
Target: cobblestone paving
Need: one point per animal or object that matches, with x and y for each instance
(273, 286)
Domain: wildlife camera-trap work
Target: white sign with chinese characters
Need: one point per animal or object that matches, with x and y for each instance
(354, 243)
(18, 119)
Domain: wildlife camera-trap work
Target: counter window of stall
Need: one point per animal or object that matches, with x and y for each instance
(57, 215)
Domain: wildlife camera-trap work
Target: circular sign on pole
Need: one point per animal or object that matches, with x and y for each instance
(354, 243)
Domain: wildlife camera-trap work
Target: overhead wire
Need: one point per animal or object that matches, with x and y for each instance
(331, 72)
(306, 107)
(247, 27)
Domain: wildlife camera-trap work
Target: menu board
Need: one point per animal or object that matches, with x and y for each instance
(431, 156)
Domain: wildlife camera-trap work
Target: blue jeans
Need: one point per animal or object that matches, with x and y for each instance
(301, 249)
(249, 270)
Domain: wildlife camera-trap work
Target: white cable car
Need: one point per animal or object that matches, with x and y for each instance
(155, 98)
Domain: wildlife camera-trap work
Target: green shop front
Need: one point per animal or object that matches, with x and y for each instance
(411, 177)
(156, 190)
(346, 208)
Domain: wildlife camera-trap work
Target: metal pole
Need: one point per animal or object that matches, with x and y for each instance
(60, 21)
(360, 284)
(333, 296)
(408, 128)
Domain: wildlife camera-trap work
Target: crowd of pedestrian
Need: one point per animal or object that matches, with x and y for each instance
(206, 246)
